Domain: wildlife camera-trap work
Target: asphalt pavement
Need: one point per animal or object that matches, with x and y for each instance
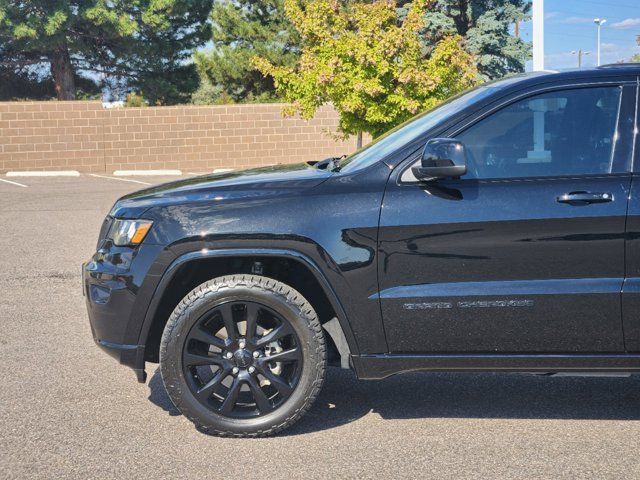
(67, 410)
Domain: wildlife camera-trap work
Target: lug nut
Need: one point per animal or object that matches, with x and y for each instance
(256, 354)
(242, 343)
(235, 370)
(228, 355)
(252, 369)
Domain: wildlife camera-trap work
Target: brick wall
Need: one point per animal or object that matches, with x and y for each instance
(83, 136)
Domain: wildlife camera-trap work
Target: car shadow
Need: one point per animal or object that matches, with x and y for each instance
(345, 399)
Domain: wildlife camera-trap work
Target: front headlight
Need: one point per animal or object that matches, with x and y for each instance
(129, 232)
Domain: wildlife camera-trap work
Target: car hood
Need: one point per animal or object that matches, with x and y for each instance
(264, 181)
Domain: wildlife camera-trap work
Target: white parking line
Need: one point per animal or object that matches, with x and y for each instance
(13, 183)
(121, 179)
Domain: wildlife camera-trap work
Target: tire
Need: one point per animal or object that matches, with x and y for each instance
(251, 384)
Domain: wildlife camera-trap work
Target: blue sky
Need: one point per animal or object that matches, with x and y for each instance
(569, 27)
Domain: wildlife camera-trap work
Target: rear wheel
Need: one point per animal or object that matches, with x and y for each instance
(243, 355)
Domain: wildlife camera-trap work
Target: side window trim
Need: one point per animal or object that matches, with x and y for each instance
(616, 144)
(635, 149)
(405, 175)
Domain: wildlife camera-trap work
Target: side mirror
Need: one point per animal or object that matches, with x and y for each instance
(441, 158)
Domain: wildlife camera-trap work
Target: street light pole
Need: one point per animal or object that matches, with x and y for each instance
(538, 35)
(599, 22)
(580, 53)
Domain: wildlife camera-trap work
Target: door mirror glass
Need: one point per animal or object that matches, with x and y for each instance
(441, 158)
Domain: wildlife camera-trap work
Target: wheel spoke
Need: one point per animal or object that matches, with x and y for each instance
(226, 310)
(232, 396)
(254, 335)
(252, 320)
(198, 334)
(278, 382)
(290, 355)
(262, 402)
(206, 390)
(194, 359)
(277, 333)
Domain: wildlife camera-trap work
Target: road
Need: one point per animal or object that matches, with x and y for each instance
(67, 410)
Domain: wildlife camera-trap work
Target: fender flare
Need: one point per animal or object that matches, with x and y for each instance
(199, 255)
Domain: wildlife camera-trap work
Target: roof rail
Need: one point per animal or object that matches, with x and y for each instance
(621, 65)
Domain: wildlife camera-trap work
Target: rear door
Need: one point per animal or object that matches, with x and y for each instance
(525, 253)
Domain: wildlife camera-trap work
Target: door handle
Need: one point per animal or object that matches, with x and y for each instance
(584, 198)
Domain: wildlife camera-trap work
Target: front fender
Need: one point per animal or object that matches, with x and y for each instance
(200, 255)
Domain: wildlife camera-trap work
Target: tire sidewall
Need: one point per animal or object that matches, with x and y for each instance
(295, 310)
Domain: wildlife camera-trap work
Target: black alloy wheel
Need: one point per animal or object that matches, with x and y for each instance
(242, 359)
(243, 355)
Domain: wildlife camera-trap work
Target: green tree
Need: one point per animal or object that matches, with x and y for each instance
(242, 29)
(145, 42)
(370, 65)
(19, 82)
(486, 27)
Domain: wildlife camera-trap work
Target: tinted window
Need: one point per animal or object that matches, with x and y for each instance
(569, 132)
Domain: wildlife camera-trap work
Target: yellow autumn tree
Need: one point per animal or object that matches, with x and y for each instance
(366, 61)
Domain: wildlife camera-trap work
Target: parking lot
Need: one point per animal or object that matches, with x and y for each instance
(67, 410)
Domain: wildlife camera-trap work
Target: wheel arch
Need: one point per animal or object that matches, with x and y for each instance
(193, 268)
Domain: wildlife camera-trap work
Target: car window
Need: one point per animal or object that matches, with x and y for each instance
(569, 132)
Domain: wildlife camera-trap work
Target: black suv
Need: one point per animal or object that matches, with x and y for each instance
(497, 232)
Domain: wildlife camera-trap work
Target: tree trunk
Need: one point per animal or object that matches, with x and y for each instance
(359, 141)
(63, 75)
(463, 21)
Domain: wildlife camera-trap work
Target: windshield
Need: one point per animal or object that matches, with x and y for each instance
(411, 129)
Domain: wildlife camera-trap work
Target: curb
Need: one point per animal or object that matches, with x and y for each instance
(130, 173)
(51, 173)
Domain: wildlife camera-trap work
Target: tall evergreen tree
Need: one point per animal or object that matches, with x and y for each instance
(241, 30)
(486, 27)
(141, 41)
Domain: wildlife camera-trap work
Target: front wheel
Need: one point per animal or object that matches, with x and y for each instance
(243, 355)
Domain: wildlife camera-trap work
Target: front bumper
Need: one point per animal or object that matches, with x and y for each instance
(129, 355)
(109, 306)
(112, 282)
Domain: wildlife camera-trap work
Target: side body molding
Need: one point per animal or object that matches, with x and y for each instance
(247, 252)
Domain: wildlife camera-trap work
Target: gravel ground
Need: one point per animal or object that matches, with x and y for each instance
(67, 410)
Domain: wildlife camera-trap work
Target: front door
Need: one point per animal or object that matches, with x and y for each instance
(525, 253)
